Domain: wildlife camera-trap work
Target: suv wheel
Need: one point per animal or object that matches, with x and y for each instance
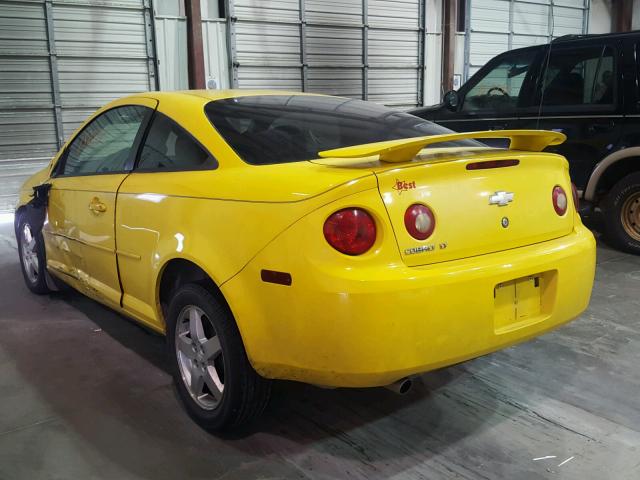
(32, 258)
(622, 214)
(212, 374)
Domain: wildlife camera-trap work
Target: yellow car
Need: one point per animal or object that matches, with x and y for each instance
(325, 240)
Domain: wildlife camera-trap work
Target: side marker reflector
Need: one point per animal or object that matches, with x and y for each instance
(272, 276)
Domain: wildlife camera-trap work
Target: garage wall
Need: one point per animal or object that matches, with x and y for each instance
(171, 43)
(495, 26)
(61, 60)
(433, 53)
(371, 49)
(600, 15)
(216, 60)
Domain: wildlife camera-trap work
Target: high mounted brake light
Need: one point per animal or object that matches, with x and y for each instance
(492, 164)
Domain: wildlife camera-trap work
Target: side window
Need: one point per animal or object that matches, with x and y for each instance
(105, 144)
(499, 90)
(577, 78)
(169, 147)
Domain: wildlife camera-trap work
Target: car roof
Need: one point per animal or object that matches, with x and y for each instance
(210, 95)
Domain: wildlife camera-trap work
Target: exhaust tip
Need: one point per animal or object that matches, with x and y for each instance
(406, 386)
(401, 387)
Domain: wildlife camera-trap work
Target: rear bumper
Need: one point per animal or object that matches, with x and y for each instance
(361, 328)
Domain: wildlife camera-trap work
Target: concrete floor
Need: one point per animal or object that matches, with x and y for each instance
(84, 395)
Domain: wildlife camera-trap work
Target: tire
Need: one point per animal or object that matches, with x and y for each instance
(32, 258)
(214, 379)
(621, 209)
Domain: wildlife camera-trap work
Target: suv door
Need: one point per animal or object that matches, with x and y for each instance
(493, 98)
(82, 200)
(580, 95)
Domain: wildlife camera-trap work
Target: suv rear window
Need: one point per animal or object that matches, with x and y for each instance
(268, 129)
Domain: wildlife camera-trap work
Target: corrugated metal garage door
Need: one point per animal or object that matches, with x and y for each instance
(371, 49)
(27, 119)
(61, 60)
(499, 25)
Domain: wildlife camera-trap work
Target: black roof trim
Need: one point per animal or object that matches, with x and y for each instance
(567, 38)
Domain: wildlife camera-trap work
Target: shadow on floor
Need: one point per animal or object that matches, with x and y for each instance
(106, 380)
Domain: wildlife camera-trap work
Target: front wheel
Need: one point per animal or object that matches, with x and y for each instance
(32, 258)
(622, 214)
(214, 379)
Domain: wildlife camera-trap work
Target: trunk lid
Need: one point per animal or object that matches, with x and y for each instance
(467, 223)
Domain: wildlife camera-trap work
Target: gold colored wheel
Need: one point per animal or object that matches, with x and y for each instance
(630, 216)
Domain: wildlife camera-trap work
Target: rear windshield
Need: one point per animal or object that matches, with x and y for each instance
(269, 129)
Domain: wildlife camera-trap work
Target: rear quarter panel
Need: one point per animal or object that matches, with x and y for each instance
(325, 285)
(164, 216)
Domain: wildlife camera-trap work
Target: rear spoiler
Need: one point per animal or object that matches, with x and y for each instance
(405, 149)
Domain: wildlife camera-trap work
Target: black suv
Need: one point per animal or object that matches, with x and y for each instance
(587, 87)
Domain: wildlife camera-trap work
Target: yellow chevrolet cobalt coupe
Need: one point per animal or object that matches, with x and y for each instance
(325, 240)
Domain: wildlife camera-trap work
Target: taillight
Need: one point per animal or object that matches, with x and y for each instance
(351, 231)
(419, 221)
(576, 197)
(560, 200)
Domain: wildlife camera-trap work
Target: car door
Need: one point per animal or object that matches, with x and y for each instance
(83, 197)
(147, 217)
(492, 98)
(580, 95)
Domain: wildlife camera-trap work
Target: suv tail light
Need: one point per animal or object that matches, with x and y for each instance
(351, 231)
(560, 200)
(419, 221)
(576, 197)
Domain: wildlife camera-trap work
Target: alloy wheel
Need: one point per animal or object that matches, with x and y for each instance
(200, 358)
(29, 254)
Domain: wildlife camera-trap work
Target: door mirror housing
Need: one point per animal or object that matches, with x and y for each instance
(451, 100)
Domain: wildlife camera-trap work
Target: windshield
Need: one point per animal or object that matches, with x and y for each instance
(267, 129)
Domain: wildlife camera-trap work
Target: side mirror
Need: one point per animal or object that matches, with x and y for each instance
(451, 100)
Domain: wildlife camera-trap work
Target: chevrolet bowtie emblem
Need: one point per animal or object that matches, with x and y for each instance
(501, 198)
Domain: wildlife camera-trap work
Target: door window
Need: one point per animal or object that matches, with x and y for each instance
(579, 79)
(169, 147)
(104, 146)
(499, 90)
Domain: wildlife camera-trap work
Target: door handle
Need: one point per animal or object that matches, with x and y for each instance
(601, 127)
(96, 206)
